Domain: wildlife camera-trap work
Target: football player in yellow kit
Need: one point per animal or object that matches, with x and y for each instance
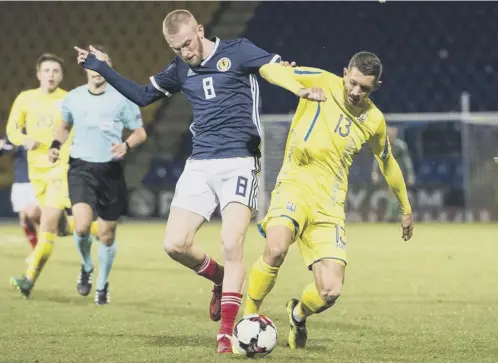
(32, 122)
(334, 118)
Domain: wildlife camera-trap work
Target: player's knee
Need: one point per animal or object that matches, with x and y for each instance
(82, 229)
(279, 239)
(233, 246)
(107, 234)
(50, 219)
(275, 252)
(330, 293)
(177, 246)
(32, 212)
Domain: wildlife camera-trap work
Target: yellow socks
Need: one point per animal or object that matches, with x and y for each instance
(41, 254)
(94, 229)
(261, 280)
(310, 303)
(71, 224)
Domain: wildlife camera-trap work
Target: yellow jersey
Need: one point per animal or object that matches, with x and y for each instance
(325, 137)
(36, 115)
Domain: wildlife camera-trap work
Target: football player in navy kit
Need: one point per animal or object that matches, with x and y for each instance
(22, 194)
(219, 79)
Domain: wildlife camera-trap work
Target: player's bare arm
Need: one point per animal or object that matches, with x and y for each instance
(136, 138)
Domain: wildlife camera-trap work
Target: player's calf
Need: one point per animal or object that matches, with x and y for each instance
(316, 298)
(29, 229)
(263, 274)
(83, 215)
(107, 253)
(181, 228)
(235, 221)
(43, 250)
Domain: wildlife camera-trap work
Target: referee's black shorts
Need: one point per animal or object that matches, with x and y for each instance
(100, 185)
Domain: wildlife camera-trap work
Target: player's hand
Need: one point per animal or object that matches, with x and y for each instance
(88, 59)
(53, 154)
(30, 144)
(407, 226)
(287, 64)
(119, 150)
(312, 94)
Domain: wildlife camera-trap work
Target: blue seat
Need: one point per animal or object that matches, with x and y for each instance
(431, 51)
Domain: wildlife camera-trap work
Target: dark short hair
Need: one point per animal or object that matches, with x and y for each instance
(49, 57)
(367, 63)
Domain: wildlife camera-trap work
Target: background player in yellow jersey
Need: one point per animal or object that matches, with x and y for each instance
(38, 112)
(307, 203)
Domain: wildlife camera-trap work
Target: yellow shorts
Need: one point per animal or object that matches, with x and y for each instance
(51, 187)
(319, 236)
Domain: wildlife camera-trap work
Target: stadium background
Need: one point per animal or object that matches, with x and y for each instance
(440, 63)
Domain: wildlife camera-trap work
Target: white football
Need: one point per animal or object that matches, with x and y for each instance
(255, 336)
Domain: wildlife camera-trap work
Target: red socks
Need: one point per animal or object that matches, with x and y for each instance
(31, 235)
(231, 301)
(211, 270)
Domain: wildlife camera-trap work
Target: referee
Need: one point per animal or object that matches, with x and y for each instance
(97, 115)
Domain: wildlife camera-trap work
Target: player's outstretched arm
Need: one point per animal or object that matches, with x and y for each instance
(141, 95)
(292, 80)
(390, 169)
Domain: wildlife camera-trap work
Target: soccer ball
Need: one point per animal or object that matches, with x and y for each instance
(255, 336)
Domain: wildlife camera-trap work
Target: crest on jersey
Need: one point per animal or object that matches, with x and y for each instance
(223, 64)
(290, 206)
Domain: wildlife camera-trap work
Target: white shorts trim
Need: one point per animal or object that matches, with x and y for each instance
(206, 184)
(22, 195)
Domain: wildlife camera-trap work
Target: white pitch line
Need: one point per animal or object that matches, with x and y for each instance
(10, 239)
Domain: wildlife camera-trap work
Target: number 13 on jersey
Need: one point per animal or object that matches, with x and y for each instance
(209, 89)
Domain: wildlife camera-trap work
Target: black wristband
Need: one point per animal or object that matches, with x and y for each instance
(127, 146)
(56, 144)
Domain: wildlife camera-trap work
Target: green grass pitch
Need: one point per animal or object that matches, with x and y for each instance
(433, 299)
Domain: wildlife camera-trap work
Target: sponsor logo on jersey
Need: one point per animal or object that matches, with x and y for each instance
(290, 206)
(223, 64)
(191, 73)
(362, 117)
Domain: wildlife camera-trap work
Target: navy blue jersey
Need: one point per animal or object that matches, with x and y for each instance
(19, 161)
(223, 91)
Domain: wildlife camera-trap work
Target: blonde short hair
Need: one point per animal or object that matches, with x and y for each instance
(175, 19)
